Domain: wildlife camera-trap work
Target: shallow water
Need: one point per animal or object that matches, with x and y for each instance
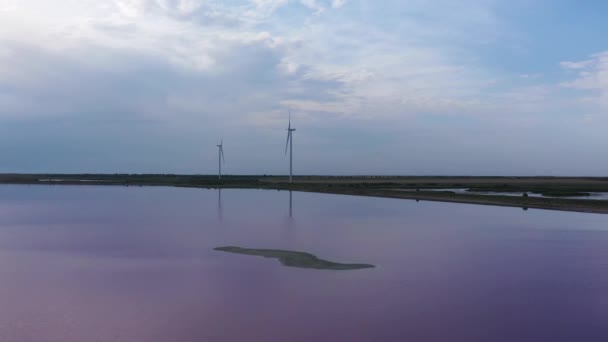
(86, 263)
(602, 196)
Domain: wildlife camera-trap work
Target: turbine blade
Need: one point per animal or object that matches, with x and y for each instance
(223, 158)
(287, 144)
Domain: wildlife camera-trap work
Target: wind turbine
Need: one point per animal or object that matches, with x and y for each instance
(290, 146)
(220, 157)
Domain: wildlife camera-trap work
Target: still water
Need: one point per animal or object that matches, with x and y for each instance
(86, 263)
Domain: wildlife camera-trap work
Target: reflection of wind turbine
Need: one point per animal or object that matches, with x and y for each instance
(220, 156)
(290, 205)
(290, 146)
(220, 210)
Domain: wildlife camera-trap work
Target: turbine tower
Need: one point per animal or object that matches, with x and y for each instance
(290, 146)
(220, 157)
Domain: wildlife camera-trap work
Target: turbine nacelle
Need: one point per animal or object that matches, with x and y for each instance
(221, 158)
(221, 150)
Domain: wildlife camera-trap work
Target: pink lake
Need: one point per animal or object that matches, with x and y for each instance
(136, 264)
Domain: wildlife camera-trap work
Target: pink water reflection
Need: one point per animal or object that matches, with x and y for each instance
(136, 264)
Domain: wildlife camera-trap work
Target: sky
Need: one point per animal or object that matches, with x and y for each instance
(395, 87)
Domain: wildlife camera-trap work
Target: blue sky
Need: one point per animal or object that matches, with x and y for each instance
(376, 87)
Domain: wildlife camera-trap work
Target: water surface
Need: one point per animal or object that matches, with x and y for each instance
(86, 263)
(603, 196)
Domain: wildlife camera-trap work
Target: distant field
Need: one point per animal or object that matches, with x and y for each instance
(379, 186)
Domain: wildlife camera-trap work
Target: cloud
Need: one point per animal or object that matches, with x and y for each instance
(338, 3)
(576, 65)
(9, 6)
(592, 78)
(358, 66)
(592, 73)
(328, 65)
(270, 3)
(205, 66)
(313, 5)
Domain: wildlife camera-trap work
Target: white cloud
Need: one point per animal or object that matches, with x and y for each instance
(269, 3)
(592, 78)
(592, 73)
(288, 67)
(313, 5)
(576, 65)
(9, 5)
(531, 76)
(326, 63)
(352, 62)
(338, 3)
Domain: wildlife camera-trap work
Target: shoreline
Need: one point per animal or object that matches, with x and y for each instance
(370, 186)
(580, 206)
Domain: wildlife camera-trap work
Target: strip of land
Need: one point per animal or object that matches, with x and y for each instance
(295, 259)
(427, 188)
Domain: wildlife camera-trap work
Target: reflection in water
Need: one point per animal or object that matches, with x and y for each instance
(289, 223)
(290, 204)
(220, 210)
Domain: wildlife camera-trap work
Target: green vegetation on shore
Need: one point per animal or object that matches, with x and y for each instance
(295, 259)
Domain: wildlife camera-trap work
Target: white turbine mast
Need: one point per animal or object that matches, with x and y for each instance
(220, 158)
(290, 146)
